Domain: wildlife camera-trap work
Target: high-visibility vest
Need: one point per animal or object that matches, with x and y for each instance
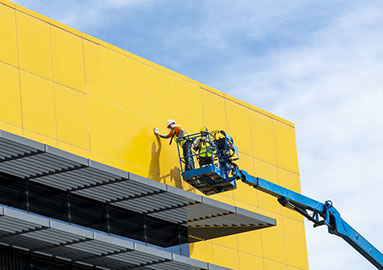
(179, 133)
(183, 134)
(204, 149)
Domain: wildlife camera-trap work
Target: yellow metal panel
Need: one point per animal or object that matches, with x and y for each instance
(213, 111)
(68, 64)
(117, 163)
(72, 116)
(89, 38)
(210, 89)
(247, 105)
(284, 121)
(188, 105)
(272, 265)
(246, 206)
(134, 139)
(160, 95)
(225, 197)
(65, 28)
(263, 137)
(10, 108)
(273, 242)
(34, 45)
(269, 172)
(40, 138)
(293, 268)
(131, 89)
(134, 169)
(250, 262)
(8, 43)
(100, 72)
(38, 105)
(244, 192)
(250, 242)
(11, 128)
(226, 257)
(285, 146)
(229, 241)
(291, 181)
(296, 251)
(202, 250)
(238, 122)
(269, 203)
(74, 149)
(104, 129)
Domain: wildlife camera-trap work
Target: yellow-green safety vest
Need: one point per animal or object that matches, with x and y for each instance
(205, 149)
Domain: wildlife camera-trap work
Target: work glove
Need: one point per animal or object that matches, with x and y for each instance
(156, 131)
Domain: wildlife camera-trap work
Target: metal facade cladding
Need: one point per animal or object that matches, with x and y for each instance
(73, 92)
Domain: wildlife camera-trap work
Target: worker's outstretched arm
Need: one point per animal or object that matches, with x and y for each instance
(157, 133)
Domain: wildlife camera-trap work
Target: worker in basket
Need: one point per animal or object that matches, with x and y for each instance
(179, 132)
(204, 146)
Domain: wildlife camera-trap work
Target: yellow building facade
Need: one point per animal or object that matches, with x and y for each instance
(69, 90)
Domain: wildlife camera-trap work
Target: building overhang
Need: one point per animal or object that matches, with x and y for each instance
(48, 237)
(205, 218)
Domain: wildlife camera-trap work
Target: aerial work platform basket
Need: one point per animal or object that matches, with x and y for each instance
(213, 170)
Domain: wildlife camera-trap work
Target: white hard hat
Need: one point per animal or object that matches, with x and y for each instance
(170, 122)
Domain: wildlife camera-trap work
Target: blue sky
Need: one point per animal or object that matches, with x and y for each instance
(316, 63)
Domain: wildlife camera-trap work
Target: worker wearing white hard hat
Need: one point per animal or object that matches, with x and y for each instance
(179, 132)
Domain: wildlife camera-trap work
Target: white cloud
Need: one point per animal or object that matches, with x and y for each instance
(221, 19)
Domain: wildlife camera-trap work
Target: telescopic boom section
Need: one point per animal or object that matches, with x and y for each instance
(319, 213)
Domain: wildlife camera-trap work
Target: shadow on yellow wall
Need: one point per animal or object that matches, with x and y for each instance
(154, 168)
(174, 175)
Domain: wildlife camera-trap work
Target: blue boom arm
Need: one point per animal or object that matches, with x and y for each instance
(319, 213)
(220, 174)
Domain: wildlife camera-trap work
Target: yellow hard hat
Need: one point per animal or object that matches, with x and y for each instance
(204, 129)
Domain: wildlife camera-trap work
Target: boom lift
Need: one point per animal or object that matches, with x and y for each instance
(221, 175)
